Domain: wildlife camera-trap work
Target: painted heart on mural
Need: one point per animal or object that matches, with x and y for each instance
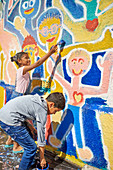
(78, 97)
(92, 25)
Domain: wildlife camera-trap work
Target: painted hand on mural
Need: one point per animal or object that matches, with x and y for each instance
(85, 153)
(20, 25)
(107, 61)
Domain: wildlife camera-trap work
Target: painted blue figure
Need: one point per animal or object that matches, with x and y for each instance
(28, 10)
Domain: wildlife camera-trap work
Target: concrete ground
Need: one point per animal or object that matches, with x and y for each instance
(9, 160)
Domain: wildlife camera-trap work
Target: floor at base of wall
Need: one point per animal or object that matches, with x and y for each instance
(9, 160)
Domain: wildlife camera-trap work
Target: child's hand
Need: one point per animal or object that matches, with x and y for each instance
(54, 49)
(43, 162)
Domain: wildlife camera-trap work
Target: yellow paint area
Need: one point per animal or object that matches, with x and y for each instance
(12, 53)
(80, 33)
(0, 48)
(60, 154)
(105, 43)
(104, 4)
(2, 65)
(2, 96)
(48, 23)
(107, 129)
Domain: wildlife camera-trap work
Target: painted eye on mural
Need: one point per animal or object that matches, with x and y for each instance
(25, 5)
(81, 61)
(44, 31)
(74, 61)
(31, 3)
(54, 28)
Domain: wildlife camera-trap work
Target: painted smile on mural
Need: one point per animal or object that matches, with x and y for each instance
(50, 39)
(29, 11)
(76, 73)
(77, 65)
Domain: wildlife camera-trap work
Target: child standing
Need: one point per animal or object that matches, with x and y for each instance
(22, 83)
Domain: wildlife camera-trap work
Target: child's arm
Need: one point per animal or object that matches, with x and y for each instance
(42, 159)
(40, 61)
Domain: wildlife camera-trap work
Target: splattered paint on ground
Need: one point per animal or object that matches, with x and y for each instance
(9, 160)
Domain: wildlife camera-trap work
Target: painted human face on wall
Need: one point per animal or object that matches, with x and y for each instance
(49, 30)
(31, 50)
(29, 8)
(78, 62)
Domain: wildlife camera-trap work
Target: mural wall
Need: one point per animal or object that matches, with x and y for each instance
(83, 131)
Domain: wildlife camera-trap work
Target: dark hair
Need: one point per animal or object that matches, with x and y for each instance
(17, 57)
(58, 99)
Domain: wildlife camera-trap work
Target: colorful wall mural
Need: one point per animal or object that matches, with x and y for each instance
(82, 133)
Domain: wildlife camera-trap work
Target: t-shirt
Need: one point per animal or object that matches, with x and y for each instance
(22, 81)
(32, 107)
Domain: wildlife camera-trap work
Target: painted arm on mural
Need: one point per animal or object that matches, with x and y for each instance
(57, 76)
(105, 64)
(9, 25)
(20, 26)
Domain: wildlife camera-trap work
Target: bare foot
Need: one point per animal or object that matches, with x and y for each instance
(19, 148)
(16, 147)
(9, 141)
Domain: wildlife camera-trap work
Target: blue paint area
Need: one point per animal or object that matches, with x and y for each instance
(75, 9)
(49, 3)
(93, 134)
(96, 101)
(38, 71)
(98, 104)
(50, 13)
(70, 119)
(76, 114)
(27, 6)
(91, 9)
(66, 37)
(38, 90)
(67, 146)
(71, 149)
(65, 123)
(9, 89)
(93, 77)
(15, 11)
(66, 76)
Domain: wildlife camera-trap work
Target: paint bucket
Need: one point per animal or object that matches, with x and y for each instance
(38, 167)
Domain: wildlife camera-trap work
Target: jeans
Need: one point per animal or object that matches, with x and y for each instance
(15, 94)
(22, 136)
